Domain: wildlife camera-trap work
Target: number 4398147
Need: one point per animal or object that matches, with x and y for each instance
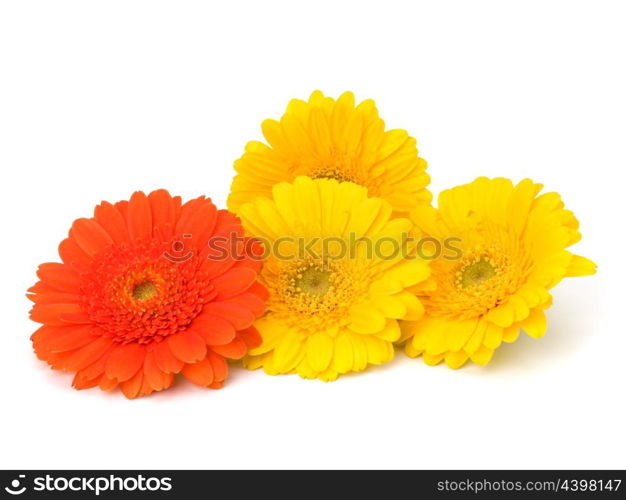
(590, 484)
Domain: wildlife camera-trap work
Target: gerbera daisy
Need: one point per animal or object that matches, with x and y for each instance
(139, 298)
(334, 139)
(512, 244)
(334, 308)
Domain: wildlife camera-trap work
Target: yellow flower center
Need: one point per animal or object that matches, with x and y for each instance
(144, 291)
(475, 274)
(313, 281)
(333, 172)
(487, 274)
(314, 295)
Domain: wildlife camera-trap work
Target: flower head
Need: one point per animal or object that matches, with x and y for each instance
(512, 250)
(139, 297)
(333, 139)
(333, 308)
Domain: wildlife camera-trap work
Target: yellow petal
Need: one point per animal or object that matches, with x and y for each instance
(536, 324)
(411, 351)
(366, 217)
(289, 351)
(456, 359)
(502, 315)
(482, 356)
(272, 132)
(580, 266)
(435, 342)
(305, 371)
(271, 331)
(510, 334)
(409, 273)
(391, 307)
(432, 359)
(493, 336)
(459, 332)
(319, 351)
(407, 330)
(519, 204)
(533, 294)
(360, 352)
(378, 351)
(520, 308)
(391, 331)
(414, 308)
(328, 375)
(476, 339)
(254, 362)
(343, 358)
(365, 318)
(382, 287)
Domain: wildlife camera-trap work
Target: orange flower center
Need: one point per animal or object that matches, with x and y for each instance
(144, 291)
(135, 294)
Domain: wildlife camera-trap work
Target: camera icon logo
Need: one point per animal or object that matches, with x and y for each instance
(15, 489)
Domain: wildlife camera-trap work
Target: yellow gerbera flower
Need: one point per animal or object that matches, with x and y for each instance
(513, 251)
(327, 138)
(333, 308)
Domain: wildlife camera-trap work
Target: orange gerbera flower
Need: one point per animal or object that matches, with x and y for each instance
(141, 296)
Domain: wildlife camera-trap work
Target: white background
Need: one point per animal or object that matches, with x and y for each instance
(98, 99)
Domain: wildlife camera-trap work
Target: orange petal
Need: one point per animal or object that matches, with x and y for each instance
(57, 360)
(122, 207)
(43, 296)
(250, 301)
(213, 329)
(154, 376)
(72, 254)
(89, 354)
(81, 382)
(235, 350)
(94, 370)
(131, 387)
(59, 276)
(78, 318)
(165, 360)
(107, 384)
(238, 315)
(214, 263)
(112, 221)
(42, 335)
(253, 252)
(163, 212)
(145, 389)
(233, 282)
(260, 291)
(219, 365)
(139, 217)
(125, 361)
(68, 338)
(200, 373)
(90, 376)
(187, 346)
(197, 218)
(90, 236)
(52, 314)
(251, 337)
